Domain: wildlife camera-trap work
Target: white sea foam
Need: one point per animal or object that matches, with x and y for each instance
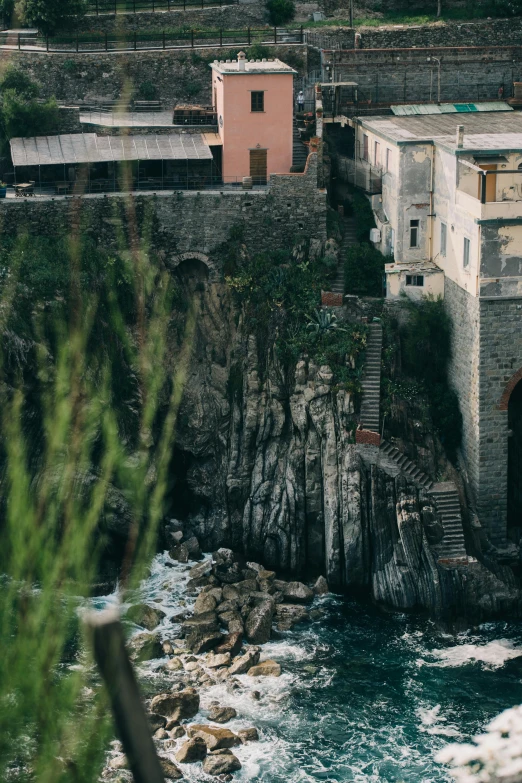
(493, 655)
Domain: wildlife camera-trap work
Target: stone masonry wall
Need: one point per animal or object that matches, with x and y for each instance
(486, 353)
(463, 310)
(228, 17)
(472, 74)
(178, 75)
(496, 32)
(292, 209)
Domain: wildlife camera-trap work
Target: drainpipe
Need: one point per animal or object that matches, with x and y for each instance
(431, 215)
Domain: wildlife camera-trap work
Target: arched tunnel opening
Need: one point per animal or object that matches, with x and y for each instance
(515, 461)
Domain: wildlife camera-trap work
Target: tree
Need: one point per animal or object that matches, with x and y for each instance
(6, 11)
(439, 7)
(50, 15)
(280, 11)
(20, 112)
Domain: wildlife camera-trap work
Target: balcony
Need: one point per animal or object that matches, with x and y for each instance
(489, 194)
(361, 173)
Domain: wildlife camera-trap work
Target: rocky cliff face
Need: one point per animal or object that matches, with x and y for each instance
(266, 464)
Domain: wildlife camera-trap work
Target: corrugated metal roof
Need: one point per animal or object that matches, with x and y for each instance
(90, 148)
(449, 108)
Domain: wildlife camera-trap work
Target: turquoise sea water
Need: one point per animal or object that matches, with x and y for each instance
(364, 696)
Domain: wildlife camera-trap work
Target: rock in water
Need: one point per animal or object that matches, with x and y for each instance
(289, 615)
(146, 616)
(321, 586)
(222, 714)
(231, 643)
(258, 624)
(248, 735)
(156, 721)
(215, 661)
(192, 750)
(297, 592)
(203, 642)
(145, 647)
(265, 669)
(245, 662)
(169, 769)
(215, 738)
(205, 602)
(179, 553)
(221, 763)
(177, 706)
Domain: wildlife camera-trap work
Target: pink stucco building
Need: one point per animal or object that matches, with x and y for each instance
(254, 105)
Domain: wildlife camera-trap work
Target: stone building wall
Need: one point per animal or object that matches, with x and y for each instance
(486, 354)
(292, 209)
(495, 32)
(177, 75)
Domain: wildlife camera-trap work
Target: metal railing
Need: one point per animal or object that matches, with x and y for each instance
(100, 7)
(180, 39)
(80, 187)
(361, 173)
(123, 117)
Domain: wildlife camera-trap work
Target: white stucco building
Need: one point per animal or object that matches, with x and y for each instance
(446, 197)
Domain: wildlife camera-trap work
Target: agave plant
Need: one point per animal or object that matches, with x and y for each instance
(323, 321)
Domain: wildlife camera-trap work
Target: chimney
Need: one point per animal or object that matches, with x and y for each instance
(460, 136)
(241, 59)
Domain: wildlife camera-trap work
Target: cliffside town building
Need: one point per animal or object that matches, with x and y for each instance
(450, 213)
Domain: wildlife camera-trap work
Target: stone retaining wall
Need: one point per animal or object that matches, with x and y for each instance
(293, 209)
(496, 32)
(177, 75)
(228, 17)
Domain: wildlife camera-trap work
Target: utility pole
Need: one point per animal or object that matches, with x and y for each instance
(351, 13)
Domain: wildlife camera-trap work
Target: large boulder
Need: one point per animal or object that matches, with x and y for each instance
(179, 553)
(145, 647)
(219, 714)
(205, 603)
(204, 622)
(193, 549)
(221, 763)
(258, 623)
(169, 769)
(321, 586)
(245, 662)
(192, 750)
(156, 721)
(147, 616)
(248, 735)
(201, 642)
(288, 615)
(177, 706)
(215, 737)
(265, 669)
(201, 570)
(297, 592)
(231, 644)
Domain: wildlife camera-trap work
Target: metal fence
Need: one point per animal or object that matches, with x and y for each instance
(180, 39)
(99, 7)
(360, 173)
(81, 187)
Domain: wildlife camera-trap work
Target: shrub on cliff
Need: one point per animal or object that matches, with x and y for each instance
(364, 270)
(280, 11)
(50, 15)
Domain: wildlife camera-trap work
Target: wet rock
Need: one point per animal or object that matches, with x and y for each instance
(259, 623)
(221, 763)
(288, 615)
(201, 570)
(231, 644)
(228, 575)
(179, 553)
(228, 606)
(177, 732)
(216, 592)
(171, 723)
(205, 602)
(230, 592)
(177, 706)
(245, 662)
(248, 735)
(173, 665)
(167, 648)
(156, 721)
(233, 621)
(169, 769)
(192, 545)
(175, 538)
(246, 587)
(206, 621)
(297, 592)
(145, 647)
(215, 661)
(224, 557)
(179, 617)
(321, 586)
(222, 714)
(215, 738)
(267, 668)
(203, 642)
(192, 750)
(161, 734)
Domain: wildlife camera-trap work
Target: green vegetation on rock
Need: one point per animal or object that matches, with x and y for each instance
(21, 114)
(50, 15)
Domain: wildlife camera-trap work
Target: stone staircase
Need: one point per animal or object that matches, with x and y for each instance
(371, 383)
(452, 546)
(299, 151)
(349, 238)
(408, 468)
